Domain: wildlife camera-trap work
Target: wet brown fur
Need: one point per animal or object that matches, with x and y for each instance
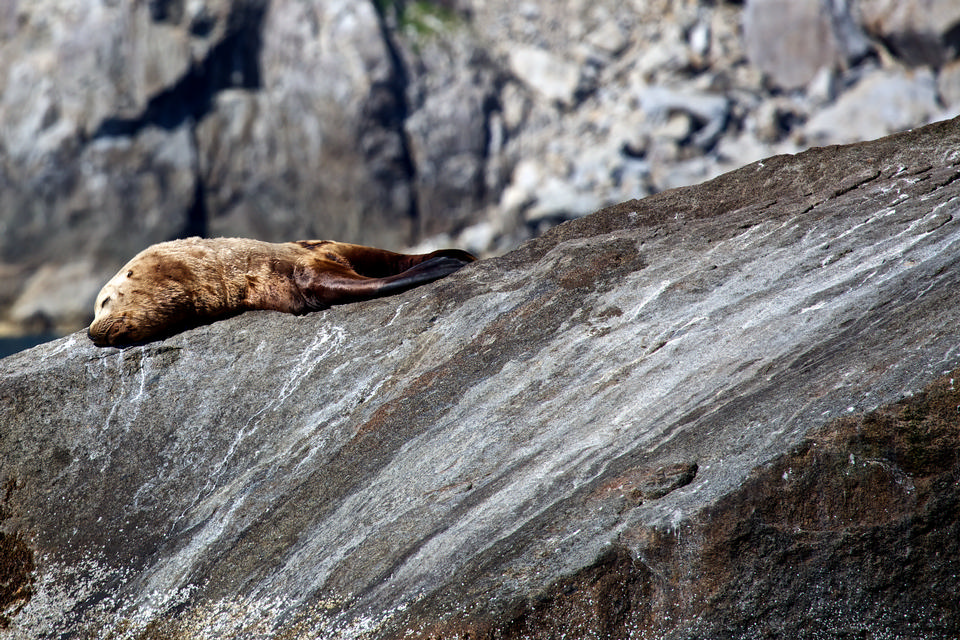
(175, 285)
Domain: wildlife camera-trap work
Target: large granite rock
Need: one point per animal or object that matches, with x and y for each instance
(722, 411)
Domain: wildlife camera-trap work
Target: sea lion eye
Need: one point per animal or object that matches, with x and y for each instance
(105, 301)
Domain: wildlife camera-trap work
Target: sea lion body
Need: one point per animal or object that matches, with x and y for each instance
(179, 284)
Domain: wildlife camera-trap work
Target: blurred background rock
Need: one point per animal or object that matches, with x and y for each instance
(412, 124)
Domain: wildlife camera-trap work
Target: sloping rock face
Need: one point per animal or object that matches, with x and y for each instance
(723, 411)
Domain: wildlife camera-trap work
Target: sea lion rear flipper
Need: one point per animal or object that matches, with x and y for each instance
(380, 263)
(427, 271)
(335, 284)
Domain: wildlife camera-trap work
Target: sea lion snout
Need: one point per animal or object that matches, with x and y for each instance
(109, 331)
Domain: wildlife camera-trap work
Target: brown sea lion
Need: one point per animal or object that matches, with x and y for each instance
(181, 284)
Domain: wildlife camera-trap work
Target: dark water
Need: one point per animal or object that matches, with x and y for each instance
(9, 346)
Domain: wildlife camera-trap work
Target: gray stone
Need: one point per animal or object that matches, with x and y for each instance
(322, 151)
(879, 104)
(453, 128)
(709, 112)
(920, 32)
(107, 198)
(546, 73)
(823, 88)
(948, 84)
(557, 198)
(791, 40)
(608, 37)
(666, 57)
(667, 419)
(57, 298)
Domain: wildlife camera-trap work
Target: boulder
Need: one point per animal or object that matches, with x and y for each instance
(316, 149)
(791, 40)
(949, 85)
(725, 410)
(920, 32)
(545, 72)
(707, 113)
(451, 128)
(897, 98)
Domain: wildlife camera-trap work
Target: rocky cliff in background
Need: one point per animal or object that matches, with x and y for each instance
(727, 410)
(395, 123)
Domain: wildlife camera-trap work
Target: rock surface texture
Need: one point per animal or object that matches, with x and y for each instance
(397, 122)
(722, 411)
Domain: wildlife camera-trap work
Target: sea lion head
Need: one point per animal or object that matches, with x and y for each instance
(142, 302)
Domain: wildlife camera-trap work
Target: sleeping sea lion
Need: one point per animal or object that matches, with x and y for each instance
(181, 284)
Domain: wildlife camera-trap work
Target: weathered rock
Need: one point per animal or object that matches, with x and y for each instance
(546, 73)
(899, 98)
(920, 32)
(709, 113)
(97, 157)
(316, 148)
(949, 84)
(671, 418)
(455, 139)
(57, 293)
(791, 40)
